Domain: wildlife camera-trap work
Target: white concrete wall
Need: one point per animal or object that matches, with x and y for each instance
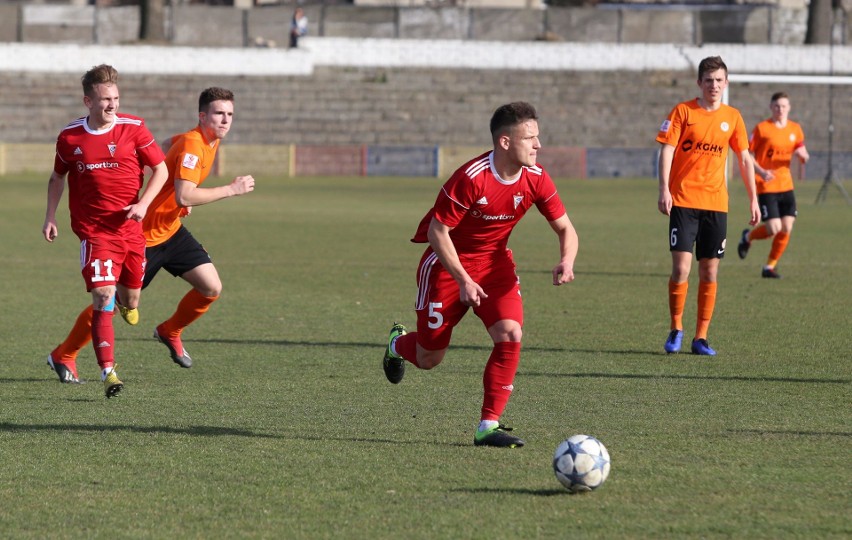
(342, 52)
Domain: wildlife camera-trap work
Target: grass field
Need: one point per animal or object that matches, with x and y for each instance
(285, 427)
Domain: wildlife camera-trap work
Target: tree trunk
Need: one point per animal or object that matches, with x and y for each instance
(152, 21)
(819, 22)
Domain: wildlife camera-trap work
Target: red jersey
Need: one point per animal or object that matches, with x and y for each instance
(190, 157)
(482, 208)
(773, 149)
(105, 172)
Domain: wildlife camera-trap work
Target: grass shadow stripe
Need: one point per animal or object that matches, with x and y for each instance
(195, 431)
(685, 377)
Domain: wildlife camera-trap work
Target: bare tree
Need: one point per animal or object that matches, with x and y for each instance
(153, 18)
(820, 21)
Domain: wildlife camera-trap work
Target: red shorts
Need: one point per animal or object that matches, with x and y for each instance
(109, 260)
(438, 306)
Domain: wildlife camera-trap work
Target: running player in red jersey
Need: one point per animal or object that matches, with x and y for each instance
(103, 155)
(694, 143)
(468, 264)
(775, 141)
(169, 244)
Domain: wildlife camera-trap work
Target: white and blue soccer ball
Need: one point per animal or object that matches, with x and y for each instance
(581, 463)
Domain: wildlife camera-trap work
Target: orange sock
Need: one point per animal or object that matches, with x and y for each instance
(706, 304)
(80, 335)
(192, 306)
(677, 300)
(779, 244)
(758, 233)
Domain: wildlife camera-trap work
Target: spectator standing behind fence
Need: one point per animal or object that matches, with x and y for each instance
(298, 27)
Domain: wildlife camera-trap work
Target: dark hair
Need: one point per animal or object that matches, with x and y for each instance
(711, 63)
(778, 95)
(212, 94)
(510, 115)
(102, 74)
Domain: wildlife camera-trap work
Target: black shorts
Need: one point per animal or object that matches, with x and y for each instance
(178, 255)
(705, 229)
(777, 205)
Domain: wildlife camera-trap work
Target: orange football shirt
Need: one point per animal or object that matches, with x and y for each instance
(773, 148)
(701, 139)
(190, 158)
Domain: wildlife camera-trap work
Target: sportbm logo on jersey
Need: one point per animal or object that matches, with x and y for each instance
(92, 166)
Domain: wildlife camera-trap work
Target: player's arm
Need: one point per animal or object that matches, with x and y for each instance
(55, 187)
(767, 174)
(568, 246)
(746, 164)
(470, 293)
(802, 153)
(190, 194)
(664, 169)
(155, 183)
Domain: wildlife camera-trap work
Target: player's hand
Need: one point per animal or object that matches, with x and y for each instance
(562, 273)
(184, 211)
(242, 185)
(768, 175)
(50, 231)
(755, 213)
(471, 294)
(136, 212)
(664, 204)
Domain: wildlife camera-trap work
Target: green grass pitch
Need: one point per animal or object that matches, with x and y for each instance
(286, 428)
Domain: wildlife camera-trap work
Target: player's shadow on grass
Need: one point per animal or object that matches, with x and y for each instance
(516, 491)
(204, 431)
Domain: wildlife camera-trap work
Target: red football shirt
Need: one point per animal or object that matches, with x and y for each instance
(482, 208)
(105, 172)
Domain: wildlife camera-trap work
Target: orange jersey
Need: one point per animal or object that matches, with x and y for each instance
(773, 150)
(701, 139)
(189, 158)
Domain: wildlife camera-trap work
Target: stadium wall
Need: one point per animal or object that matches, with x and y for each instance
(189, 25)
(343, 106)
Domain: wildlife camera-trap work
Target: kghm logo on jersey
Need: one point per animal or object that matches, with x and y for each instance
(702, 147)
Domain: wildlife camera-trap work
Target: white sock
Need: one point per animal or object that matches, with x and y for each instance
(393, 346)
(105, 372)
(485, 425)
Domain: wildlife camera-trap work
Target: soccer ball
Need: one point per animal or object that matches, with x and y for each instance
(581, 463)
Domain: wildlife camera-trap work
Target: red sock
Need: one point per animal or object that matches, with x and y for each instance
(103, 338)
(706, 304)
(192, 306)
(78, 337)
(498, 378)
(677, 300)
(406, 347)
(779, 244)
